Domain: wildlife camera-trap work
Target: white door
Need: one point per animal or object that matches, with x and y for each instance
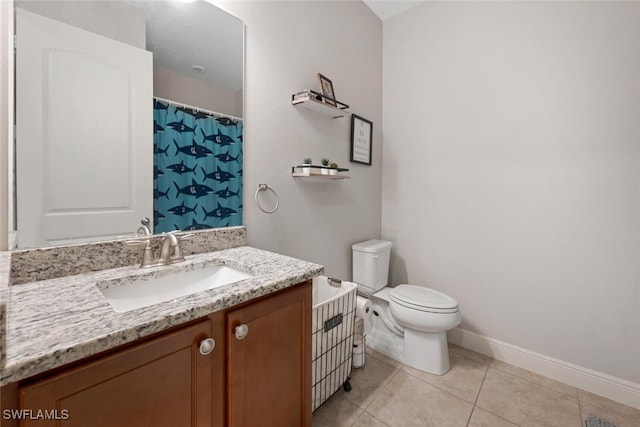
(84, 129)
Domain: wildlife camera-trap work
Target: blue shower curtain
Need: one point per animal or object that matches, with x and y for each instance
(197, 169)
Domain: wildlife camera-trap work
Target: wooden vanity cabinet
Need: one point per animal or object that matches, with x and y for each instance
(260, 379)
(269, 361)
(165, 381)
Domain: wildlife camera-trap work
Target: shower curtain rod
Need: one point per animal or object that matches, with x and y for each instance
(198, 109)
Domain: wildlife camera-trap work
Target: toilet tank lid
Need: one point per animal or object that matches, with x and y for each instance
(371, 246)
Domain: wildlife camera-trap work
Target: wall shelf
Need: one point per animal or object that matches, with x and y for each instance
(314, 101)
(316, 172)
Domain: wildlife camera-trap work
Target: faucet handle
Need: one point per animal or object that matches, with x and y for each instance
(181, 236)
(138, 242)
(147, 254)
(186, 236)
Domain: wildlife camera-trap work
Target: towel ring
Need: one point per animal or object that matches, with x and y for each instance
(265, 187)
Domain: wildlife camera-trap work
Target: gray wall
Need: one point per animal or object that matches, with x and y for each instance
(287, 44)
(511, 175)
(181, 88)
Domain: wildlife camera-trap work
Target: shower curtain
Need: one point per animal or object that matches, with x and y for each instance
(197, 169)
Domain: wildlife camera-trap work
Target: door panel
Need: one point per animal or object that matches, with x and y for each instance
(80, 177)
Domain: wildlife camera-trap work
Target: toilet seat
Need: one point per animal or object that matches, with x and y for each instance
(423, 299)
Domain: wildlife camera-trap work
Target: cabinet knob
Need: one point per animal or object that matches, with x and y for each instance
(207, 346)
(241, 331)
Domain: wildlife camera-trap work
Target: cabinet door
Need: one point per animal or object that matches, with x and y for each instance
(163, 382)
(269, 369)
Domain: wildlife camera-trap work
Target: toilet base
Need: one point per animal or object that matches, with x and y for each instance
(426, 351)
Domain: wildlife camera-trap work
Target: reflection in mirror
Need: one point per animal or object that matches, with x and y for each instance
(125, 110)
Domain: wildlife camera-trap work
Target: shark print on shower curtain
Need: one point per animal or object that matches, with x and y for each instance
(197, 169)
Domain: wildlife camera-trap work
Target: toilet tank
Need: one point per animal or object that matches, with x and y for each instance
(371, 263)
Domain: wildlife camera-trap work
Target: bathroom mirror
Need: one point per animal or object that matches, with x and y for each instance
(192, 107)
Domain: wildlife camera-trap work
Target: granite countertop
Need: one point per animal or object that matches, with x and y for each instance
(50, 323)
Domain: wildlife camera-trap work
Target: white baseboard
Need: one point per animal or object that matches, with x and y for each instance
(604, 385)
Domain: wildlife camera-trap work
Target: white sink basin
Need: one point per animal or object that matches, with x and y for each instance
(143, 292)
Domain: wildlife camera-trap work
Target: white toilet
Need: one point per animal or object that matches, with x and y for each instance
(418, 316)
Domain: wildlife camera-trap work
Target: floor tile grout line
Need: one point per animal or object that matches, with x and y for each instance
(399, 369)
(538, 384)
(375, 395)
(447, 391)
(478, 394)
(496, 415)
(580, 415)
(477, 360)
(576, 397)
(529, 381)
(573, 395)
(474, 403)
(380, 359)
(489, 412)
(436, 386)
(491, 365)
(372, 416)
(358, 417)
(603, 405)
(579, 406)
(380, 390)
(470, 415)
(385, 385)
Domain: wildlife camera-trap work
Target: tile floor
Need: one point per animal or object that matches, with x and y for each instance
(477, 392)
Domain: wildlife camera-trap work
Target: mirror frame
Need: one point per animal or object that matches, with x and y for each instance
(7, 80)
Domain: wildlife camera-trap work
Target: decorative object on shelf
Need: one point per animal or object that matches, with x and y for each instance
(361, 139)
(265, 187)
(312, 100)
(306, 165)
(325, 166)
(327, 90)
(316, 172)
(333, 168)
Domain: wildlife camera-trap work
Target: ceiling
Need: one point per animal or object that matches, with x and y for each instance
(182, 34)
(387, 8)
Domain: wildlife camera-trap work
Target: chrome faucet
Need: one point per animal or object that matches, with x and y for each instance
(170, 251)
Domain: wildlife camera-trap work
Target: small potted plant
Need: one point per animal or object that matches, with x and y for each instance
(333, 168)
(306, 165)
(325, 166)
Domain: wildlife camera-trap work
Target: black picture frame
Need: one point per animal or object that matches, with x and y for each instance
(326, 87)
(361, 140)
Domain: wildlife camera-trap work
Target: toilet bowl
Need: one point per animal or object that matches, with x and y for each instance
(426, 315)
(412, 317)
